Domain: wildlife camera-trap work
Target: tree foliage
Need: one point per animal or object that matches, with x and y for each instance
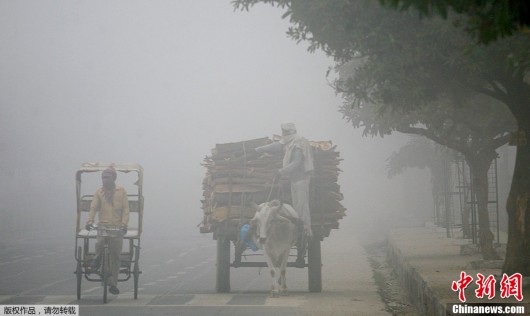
(417, 153)
(488, 20)
(405, 64)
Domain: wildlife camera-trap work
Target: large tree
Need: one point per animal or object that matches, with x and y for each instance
(412, 62)
(475, 128)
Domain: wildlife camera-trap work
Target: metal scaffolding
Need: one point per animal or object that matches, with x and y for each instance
(468, 201)
(455, 204)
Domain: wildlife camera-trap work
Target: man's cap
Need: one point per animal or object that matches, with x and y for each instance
(288, 126)
(109, 171)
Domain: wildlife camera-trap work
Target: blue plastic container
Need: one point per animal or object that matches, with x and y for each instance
(243, 236)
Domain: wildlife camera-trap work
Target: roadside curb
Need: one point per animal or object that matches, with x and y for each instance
(419, 293)
(426, 263)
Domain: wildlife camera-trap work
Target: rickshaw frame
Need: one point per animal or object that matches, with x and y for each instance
(83, 238)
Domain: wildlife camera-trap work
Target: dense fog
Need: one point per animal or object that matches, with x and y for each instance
(160, 83)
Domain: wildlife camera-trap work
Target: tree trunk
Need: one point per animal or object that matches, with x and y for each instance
(518, 207)
(479, 167)
(518, 248)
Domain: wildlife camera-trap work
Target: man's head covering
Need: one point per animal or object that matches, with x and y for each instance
(288, 126)
(110, 171)
(109, 185)
(288, 132)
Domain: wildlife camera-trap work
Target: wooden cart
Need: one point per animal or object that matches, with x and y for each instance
(232, 180)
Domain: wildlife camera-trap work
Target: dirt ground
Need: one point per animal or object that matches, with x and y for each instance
(392, 294)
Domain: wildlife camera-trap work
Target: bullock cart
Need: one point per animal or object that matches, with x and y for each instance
(233, 179)
(88, 179)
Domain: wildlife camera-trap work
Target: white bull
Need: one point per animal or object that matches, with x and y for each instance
(275, 232)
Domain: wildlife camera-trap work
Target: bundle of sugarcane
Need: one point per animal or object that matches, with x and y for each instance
(235, 176)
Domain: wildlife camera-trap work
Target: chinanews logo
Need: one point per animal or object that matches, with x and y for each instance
(509, 286)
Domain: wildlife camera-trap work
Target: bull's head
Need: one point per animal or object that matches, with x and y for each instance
(264, 213)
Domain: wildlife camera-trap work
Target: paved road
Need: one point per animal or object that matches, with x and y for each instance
(178, 278)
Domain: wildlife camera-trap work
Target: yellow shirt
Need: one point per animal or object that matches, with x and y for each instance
(116, 214)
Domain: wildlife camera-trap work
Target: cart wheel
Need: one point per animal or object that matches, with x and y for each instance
(79, 272)
(314, 266)
(105, 270)
(223, 265)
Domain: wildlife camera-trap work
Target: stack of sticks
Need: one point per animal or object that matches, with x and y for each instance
(235, 176)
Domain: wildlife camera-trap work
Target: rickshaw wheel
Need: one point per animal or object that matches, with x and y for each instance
(79, 272)
(136, 272)
(104, 273)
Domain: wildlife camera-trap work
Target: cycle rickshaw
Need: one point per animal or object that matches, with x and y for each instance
(131, 177)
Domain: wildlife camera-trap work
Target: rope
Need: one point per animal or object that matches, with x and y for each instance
(272, 187)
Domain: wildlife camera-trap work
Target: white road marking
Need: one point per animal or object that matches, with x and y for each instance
(92, 289)
(209, 299)
(47, 285)
(57, 299)
(126, 299)
(286, 301)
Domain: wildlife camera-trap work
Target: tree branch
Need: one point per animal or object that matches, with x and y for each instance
(430, 135)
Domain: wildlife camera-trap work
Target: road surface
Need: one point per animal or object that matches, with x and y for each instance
(178, 278)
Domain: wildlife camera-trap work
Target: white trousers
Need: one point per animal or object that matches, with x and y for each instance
(300, 197)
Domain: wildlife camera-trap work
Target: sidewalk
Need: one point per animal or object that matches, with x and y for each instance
(348, 284)
(427, 262)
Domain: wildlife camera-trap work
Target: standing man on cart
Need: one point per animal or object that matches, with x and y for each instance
(112, 204)
(297, 168)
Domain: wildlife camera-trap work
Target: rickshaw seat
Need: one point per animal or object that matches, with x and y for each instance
(132, 233)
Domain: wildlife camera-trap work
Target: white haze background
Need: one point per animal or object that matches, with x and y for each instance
(160, 83)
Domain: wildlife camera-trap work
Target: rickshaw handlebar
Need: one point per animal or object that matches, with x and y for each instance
(110, 231)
